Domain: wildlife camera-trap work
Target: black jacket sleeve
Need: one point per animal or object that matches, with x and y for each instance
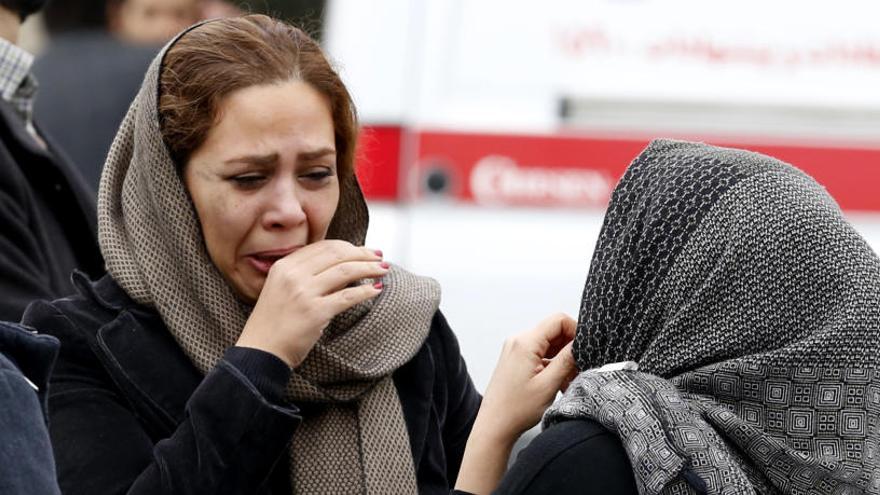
(229, 441)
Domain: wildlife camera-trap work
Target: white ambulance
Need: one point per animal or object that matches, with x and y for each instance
(496, 129)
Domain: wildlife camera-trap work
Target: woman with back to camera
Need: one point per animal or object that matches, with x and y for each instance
(727, 342)
(232, 224)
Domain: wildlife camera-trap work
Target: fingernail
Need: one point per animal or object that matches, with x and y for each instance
(385, 265)
(378, 285)
(378, 252)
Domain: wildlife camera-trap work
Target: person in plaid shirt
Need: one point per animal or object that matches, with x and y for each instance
(47, 229)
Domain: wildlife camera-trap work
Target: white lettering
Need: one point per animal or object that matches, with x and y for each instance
(498, 179)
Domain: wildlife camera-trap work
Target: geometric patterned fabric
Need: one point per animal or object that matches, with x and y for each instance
(753, 311)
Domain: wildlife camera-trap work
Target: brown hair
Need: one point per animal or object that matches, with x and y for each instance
(225, 55)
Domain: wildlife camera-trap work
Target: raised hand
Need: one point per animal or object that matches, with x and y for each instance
(304, 291)
(533, 367)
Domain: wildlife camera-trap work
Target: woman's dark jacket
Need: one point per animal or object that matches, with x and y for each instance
(129, 413)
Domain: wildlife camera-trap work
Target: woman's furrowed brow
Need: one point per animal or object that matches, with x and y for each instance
(272, 158)
(268, 159)
(314, 155)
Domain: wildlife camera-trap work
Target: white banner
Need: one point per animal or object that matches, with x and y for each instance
(505, 65)
(780, 52)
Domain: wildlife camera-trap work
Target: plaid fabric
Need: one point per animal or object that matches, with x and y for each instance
(17, 84)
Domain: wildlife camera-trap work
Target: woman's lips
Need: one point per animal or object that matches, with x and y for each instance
(260, 264)
(263, 260)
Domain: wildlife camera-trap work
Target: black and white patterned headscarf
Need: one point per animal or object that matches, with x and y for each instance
(752, 310)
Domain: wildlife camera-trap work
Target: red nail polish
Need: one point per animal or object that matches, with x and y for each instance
(378, 252)
(385, 265)
(378, 285)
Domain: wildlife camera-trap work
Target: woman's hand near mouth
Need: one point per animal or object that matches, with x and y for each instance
(304, 291)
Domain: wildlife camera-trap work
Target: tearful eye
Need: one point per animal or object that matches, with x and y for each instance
(318, 175)
(247, 181)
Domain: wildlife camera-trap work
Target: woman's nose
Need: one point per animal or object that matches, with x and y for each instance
(284, 209)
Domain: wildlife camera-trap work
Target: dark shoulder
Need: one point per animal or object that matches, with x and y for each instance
(442, 342)
(576, 456)
(437, 364)
(80, 315)
(440, 358)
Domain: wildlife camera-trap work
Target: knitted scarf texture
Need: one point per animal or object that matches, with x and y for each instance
(355, 438)
(753, 311)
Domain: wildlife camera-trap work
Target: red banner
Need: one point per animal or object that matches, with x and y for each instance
(567, 170)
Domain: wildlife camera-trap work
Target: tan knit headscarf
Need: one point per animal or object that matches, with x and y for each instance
(152, 242)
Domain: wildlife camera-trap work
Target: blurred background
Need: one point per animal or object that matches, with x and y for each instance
(494, 131)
